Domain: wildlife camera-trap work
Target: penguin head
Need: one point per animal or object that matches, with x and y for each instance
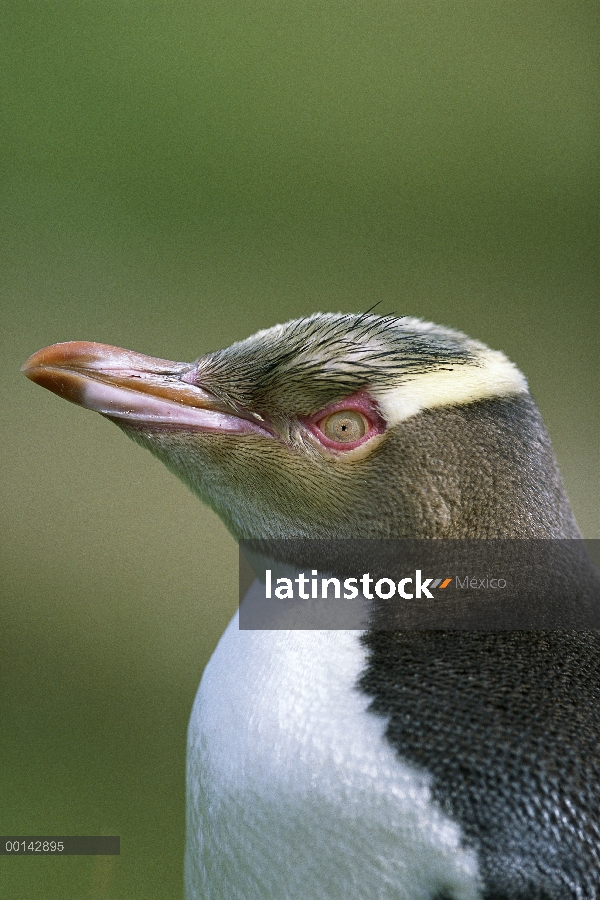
(336, 425)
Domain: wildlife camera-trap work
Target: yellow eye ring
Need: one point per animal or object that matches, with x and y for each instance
(344, 426)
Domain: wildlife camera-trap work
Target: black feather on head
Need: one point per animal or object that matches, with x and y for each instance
(303, 364)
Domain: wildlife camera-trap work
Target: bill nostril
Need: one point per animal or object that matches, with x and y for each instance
(190, 377)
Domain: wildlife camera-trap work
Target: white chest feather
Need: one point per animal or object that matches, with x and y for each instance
(293, 792)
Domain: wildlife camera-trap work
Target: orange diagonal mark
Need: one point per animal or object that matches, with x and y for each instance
(445, 583)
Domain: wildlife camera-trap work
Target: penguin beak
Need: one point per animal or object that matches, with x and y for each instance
(134, 389)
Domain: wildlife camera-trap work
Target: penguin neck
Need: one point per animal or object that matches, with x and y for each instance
(482, 470)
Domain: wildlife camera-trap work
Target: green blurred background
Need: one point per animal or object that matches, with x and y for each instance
(176, 176)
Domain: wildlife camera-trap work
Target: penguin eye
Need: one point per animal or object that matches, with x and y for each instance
(345, 426)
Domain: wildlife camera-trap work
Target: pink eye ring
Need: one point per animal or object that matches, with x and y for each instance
(347, 424)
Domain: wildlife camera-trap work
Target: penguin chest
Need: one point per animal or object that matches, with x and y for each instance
(293, 791)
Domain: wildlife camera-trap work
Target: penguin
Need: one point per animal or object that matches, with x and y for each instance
(397, 765)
